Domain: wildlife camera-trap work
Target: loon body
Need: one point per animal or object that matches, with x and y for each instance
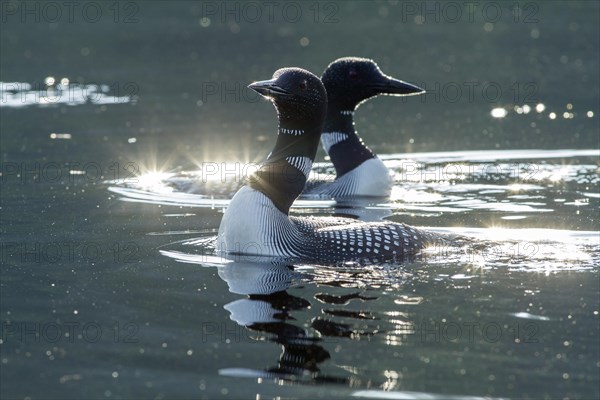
(349, 82)
(257, 221)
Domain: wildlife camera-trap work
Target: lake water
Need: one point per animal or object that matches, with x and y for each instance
(110, 285)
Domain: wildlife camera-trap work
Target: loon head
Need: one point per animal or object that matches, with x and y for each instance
(301, 102)
(351, 80)
(298, 95)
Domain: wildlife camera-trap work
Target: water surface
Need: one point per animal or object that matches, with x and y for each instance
(112, 290)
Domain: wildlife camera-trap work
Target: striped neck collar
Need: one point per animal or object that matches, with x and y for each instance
(287, 131)
(340, 140)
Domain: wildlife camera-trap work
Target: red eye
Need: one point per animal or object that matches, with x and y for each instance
(352, 74)
(303, 85)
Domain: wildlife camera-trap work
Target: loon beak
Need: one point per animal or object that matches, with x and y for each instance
(396, 87)
(268, 88)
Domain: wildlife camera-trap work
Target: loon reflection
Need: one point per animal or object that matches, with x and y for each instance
(268, 309)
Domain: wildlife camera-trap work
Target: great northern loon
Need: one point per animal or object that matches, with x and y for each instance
(349, 82)
(257, 221)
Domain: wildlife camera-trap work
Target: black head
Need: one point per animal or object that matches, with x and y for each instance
(352, 80)
(298, 95)
(301, 102)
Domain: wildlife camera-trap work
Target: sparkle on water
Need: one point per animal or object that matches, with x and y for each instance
(23, 94)
(112, 286)
(501, 112)
(519, 292)
(428, 184)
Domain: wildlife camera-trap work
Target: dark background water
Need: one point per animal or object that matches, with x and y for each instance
(537, 52)
(74, 256)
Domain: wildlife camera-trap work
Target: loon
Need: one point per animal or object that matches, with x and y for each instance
(350, 81)
(257, 220)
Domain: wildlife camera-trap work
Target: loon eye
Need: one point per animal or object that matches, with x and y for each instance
(352, 74)
(303, 85)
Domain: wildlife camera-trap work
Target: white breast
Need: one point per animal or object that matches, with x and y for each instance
(253, 225)
(371, 178)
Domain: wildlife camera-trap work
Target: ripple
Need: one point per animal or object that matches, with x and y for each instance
(533, 317)
(392, 160)
(193, 200)
(404, 395)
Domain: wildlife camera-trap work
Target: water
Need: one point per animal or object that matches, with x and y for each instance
(110, 287)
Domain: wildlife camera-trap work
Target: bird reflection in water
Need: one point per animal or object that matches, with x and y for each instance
(269, 312)
(268, 309)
